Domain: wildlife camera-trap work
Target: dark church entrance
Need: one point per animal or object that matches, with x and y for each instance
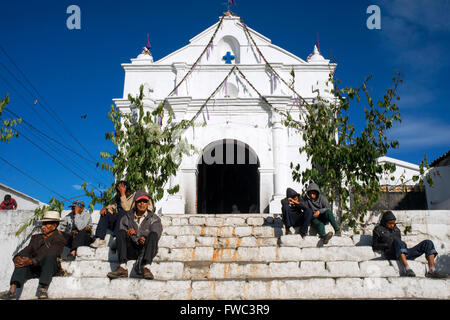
(228, 179)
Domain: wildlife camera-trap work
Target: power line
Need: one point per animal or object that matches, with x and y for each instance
(30, 177)
(51, 112)
(62, 164)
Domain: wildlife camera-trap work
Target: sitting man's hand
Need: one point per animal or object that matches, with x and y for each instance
(103, 212)
(20, 262)
(131, 232)
(142, 240)
(316, 214)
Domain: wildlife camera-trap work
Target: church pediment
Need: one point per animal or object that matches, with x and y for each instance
(231, 45)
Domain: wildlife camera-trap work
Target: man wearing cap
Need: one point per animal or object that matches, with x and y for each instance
(139, 232)
(77, 228)
(39, 258)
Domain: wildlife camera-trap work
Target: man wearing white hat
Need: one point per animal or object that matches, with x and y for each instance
(39, 258)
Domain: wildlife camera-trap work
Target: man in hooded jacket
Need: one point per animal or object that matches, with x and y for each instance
(295, 212)
(322, 213)
(387, 239)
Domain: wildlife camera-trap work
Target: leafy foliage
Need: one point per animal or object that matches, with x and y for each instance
(344, 162)
(7, 131)
(54, 205)
(149, 149)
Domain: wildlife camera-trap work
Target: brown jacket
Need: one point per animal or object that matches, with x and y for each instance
(39, 247)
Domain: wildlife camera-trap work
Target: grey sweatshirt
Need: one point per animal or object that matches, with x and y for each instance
(78, 222)
(320, 203)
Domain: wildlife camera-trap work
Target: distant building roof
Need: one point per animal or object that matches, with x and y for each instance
(7, 189)
(442, 161)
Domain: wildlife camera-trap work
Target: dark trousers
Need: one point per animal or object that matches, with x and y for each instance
(109, 221)
(127, 249)
(82, 238)
(398, 247)
(291, 219)
(323, 219)
(45, 272)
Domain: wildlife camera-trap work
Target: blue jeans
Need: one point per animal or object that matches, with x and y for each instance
(398, 247)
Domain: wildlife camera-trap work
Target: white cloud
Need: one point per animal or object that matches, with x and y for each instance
(421, 132)
(76, 187)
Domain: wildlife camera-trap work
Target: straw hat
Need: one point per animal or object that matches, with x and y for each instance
(51, 216)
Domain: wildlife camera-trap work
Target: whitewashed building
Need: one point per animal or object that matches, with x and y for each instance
(24, 201)
(235, 114)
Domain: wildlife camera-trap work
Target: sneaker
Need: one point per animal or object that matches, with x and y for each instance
(7, 295)
(338, 233)
(118, 273)
(409, 273)
(42, 293)
(98, 243)
(327, 237)
(147, 274)
(435, 275)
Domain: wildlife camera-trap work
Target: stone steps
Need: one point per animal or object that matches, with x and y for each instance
(273, 270)
(312, 288)
(247, 257)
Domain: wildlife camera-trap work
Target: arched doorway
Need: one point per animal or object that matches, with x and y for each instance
(228, 178)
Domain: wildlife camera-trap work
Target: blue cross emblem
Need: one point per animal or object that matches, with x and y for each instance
(228, 57)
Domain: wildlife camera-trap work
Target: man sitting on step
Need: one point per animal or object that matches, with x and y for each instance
(295, 212)
(139, 232)
(322, 213)
(387, 238)
(39, 258)
(110, 215)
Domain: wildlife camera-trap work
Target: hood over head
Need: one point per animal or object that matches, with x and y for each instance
(291, 193)
(313, 187)
(388, 215)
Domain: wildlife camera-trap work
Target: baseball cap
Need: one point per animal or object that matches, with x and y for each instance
(141, 194)
(78, 203)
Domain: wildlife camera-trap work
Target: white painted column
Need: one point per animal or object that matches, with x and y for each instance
(190, 189)
(265, 188)
(279, 150)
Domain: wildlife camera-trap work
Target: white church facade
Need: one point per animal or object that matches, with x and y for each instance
(247, 139)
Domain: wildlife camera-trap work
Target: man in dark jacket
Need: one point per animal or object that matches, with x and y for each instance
(39, 258)
(139, 233)
(387, 238)
(322, 213)
(295, 212)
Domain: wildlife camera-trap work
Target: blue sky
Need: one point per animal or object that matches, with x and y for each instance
(78, 72)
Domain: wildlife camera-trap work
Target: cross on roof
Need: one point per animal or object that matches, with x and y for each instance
(228, 57)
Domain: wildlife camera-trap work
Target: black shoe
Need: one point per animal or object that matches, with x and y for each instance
(288, 231)
(435, 275)
(327, 237)
(303, 235)
(338, 233)
(7, 295)
(42, 293)
(409, 273)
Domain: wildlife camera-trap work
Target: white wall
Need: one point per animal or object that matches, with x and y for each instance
(438, 197)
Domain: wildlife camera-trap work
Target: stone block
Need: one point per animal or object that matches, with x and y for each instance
(263, 232)
(343, 269)
(313, 268)
(418, 267)
(255, 221)
(243, 231)
(337, 254)
(284, 270)
(287, 253)
(215, 222)
(199, 221)
(377, 269)
(206, 241)
(233, 222)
